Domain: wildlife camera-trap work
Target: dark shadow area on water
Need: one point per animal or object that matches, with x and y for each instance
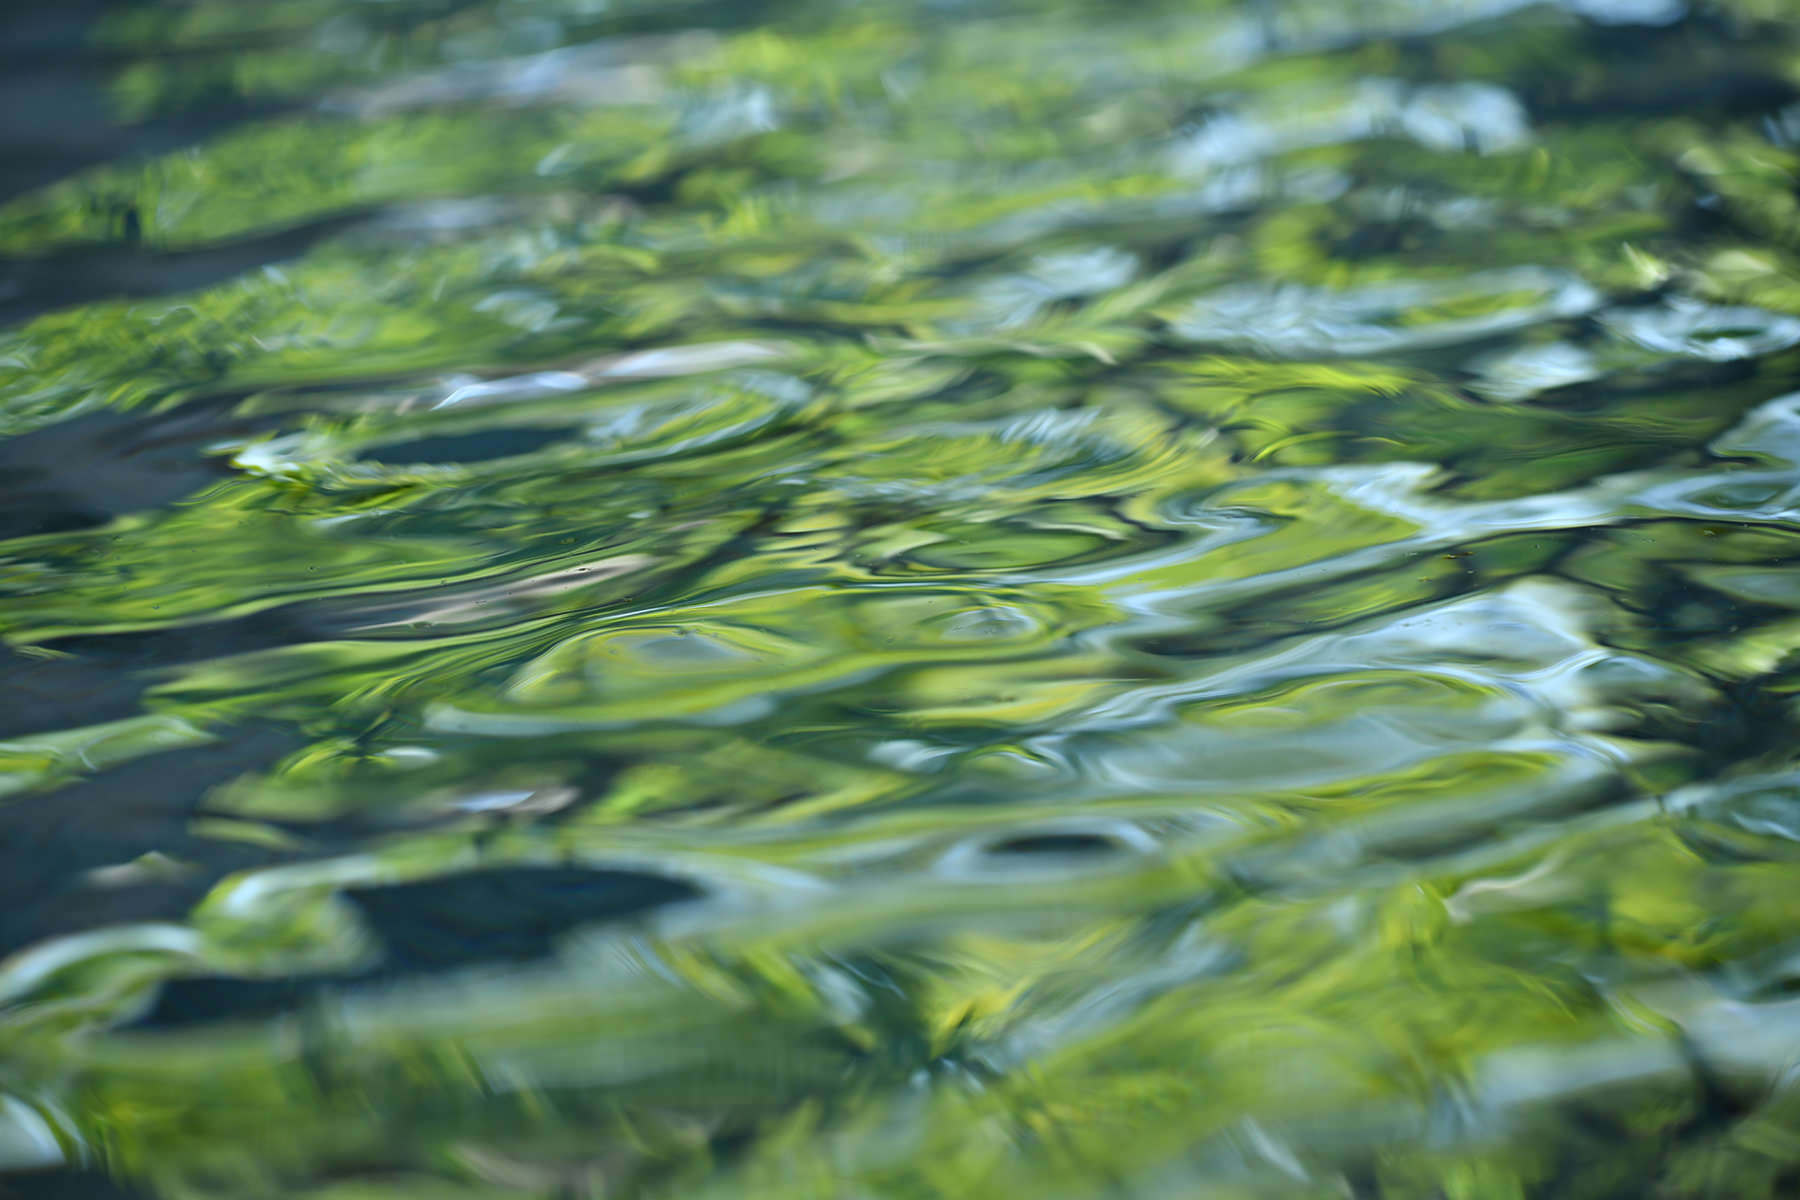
(57, 116)
(113, 818)
(482, 918)
(127, 269)
(81, 473)
(64, 1185)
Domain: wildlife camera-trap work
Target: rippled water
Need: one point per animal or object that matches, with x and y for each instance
(918, 598)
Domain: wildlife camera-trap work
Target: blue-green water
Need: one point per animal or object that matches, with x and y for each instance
(919, 598)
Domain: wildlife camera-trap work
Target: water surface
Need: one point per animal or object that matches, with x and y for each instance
(920, 598)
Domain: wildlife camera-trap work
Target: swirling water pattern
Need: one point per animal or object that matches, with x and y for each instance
(923, 598)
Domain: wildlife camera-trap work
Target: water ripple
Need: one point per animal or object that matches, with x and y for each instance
(914, 598)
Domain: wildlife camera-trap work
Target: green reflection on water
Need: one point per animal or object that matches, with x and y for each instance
(1202, 593)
